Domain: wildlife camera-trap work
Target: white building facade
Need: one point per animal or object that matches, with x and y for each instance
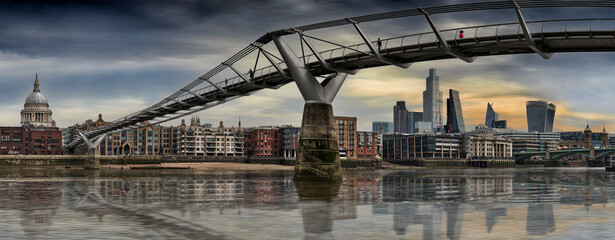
(196, 140)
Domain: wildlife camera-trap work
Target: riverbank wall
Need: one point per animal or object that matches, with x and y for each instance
(57, 160)
(456, 163)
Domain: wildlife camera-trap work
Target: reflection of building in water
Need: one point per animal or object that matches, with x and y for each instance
(271, 192)
(382, 208)
(356, 190)
(584, 189)
(454, 219)
(482, 187)
(410, 187)
(144, 192)
(194, 193)
(225, 193)
(404, 187)
(403, 212)
(534, 191)
(540, 219)
(38, 202)
(427, 214)
(347, 204)
(369, 190)
(584, 195)
(491, 216)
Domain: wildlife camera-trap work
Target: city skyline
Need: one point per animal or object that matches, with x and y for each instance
(162, 49)
(431, 70)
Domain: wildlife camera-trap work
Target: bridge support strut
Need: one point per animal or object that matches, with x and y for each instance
(92, 162)
(317, 151)
(443, 43)
(528, 35)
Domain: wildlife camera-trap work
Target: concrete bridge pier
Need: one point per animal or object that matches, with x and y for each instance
(317, 151)
(92, 162)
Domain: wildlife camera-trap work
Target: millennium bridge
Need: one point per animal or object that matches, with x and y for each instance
(326, 57)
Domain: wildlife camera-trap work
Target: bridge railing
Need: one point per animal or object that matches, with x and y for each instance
(472, 35)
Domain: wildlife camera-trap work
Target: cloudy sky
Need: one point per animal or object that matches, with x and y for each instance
(117, 57)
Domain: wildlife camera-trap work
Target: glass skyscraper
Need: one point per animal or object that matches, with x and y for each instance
(454, 113)
(413, 118)
(491, 116)
(403, 121)
(400, 117)
(540, 116)
(432, 101)
(382, 126)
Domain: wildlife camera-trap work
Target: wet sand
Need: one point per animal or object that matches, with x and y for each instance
(206, 166)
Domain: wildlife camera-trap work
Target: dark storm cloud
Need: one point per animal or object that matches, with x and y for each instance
(108, 29)
(141, 29)
(86, 51)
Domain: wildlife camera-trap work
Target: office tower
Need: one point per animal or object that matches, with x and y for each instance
(550, 117)
(400, 117)
(501, 124)
(413, 118)
(491, 116)
(453, 112)
(432, 101)
(540, 116)
(382, 127)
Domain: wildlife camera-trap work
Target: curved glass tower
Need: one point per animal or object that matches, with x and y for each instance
(540, 116)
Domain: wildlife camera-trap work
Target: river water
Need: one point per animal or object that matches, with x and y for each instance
(568, 203)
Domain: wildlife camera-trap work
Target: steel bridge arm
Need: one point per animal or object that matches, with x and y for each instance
(373, 49)
(322, 60)
(528, 35)
(216, 86)
(273, 62)
(605, 153)
(197, 95)
(249, 81)
(443, 43)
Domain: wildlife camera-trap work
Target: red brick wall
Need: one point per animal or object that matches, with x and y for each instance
(44, 141)
(265, 142)
(12, 140)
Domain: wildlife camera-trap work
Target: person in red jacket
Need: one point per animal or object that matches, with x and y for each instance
(461, 34)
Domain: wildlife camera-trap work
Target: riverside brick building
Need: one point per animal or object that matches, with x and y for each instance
(347, 136)
(146, 140)
(43, 140)
(263, 142)
(28, 140)
(367, 145)
(12, 141)
(270, 141)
